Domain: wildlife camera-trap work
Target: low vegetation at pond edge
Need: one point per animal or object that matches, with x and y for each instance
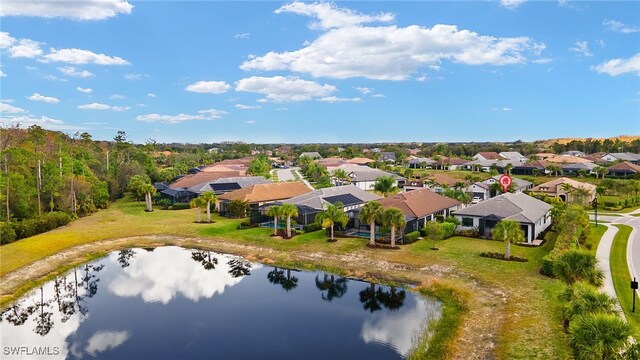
(531, 303)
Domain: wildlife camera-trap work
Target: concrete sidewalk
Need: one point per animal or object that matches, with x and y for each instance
(603, 255)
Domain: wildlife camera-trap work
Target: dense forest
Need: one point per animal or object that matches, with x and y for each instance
(44, 171)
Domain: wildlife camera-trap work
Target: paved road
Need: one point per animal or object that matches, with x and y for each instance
(633, 247)
(285, 174)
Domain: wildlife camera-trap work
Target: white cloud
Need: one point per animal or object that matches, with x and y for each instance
(615, 67)
(84, 90)
(283, 89)
(392, 52)
(364, 90)
(10, 109)
(53, 78)
(151, 95)
(582, 47)
(246, 107)
(6, 40)
(2, 74)
(209, 114)
(94, 123)
(422, 78)
(99, 106)
(132, 76)
(511, 4)
(116, 97)
(79, 56)
(241, 36)
(329, 16)
(378, 95)
(77, 10)
(251, 122)
(617, 26)
(505, 109)
(71, 71)
(47, 99)
(25, 48)
(43, 121)
(105, 340)
(542, 61)
(334, 99)
(208, 87)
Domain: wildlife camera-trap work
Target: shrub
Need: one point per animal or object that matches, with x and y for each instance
(547, 266)
(471, 233)
(7, 234)
(440, 218)
(164, 203)
(411, 237)
(179, 206)
(312, 227)
(448, 229)
(500, 256)
(246, 224)
(610, 204)
(434, 231)
(453, 220)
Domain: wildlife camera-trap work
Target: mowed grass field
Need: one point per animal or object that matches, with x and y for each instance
(530, 322)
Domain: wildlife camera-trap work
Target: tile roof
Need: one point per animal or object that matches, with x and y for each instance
(625, 156)
(419, 203)
(267, 192)
(490, 155)
(625, 166)
(552, 186)
(360, 161)
(444, 179)
(318, 198)
(365, 173)
(520, 207)
(202, 177)
(241, 181)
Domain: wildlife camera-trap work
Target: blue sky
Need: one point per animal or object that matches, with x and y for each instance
(354, 71)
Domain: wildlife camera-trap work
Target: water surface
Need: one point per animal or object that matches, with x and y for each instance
(174, 303)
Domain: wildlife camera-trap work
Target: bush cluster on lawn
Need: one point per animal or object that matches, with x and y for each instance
(622, 204)
(411, 237)
(246, 224)
(16, 230)
(312, 227)
(495, 255)
(438, 230)
(572, 225)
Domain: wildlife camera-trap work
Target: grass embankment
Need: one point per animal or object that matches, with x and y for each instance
(622, 278)
(510, 308)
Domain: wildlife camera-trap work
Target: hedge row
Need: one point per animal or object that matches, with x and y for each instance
(411, 237)
(16, 230)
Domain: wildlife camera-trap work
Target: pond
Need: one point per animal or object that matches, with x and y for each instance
(175, 303)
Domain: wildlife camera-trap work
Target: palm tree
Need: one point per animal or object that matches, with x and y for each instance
(507, 168)
(598, 336)
(583, 298)
(197, 204)
(369, 298)
(576, 265)
(332, 215)
(394, 218)
(148, 190)
(508, 231)
(335, 288)
(385, 185)
(580, 194)
(370, 213)
(276, 212)
(289, 210)
(341, 175)
(208, 197)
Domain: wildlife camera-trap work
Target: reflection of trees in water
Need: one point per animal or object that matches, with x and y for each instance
(334, 288)
(239, 267)
(373, 299)
(278, 277)
(204, 257)
(18, 313)
(44, 323)
(68, 295)
(125, 256)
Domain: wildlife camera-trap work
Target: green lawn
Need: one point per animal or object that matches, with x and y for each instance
(529, 323)
(622, 279)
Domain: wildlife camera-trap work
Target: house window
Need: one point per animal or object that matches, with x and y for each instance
(467, 221)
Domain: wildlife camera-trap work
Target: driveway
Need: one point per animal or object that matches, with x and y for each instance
(285, 174)
(633, 247)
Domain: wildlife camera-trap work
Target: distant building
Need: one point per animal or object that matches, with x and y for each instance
(312, 155)
(564, 189)
(624, 169)
(630, 157)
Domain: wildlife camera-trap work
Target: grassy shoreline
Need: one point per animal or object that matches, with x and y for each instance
(510, 309)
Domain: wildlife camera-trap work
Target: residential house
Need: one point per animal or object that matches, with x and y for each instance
(351, 197)
(627, 156)
(565, 189)
(360, 161)
(514, 156)
(438, 182)
(537, 167)
(624, 169)
(533, 215)
(420, 207)
(188, 181)
(312, 155)
(577, 168)
(178, 195)
(225, 185)
(365, 177)
(575, 153)
(388, 156)
(420, 162)
(482, 190)
(261, 194)
(488, 155)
